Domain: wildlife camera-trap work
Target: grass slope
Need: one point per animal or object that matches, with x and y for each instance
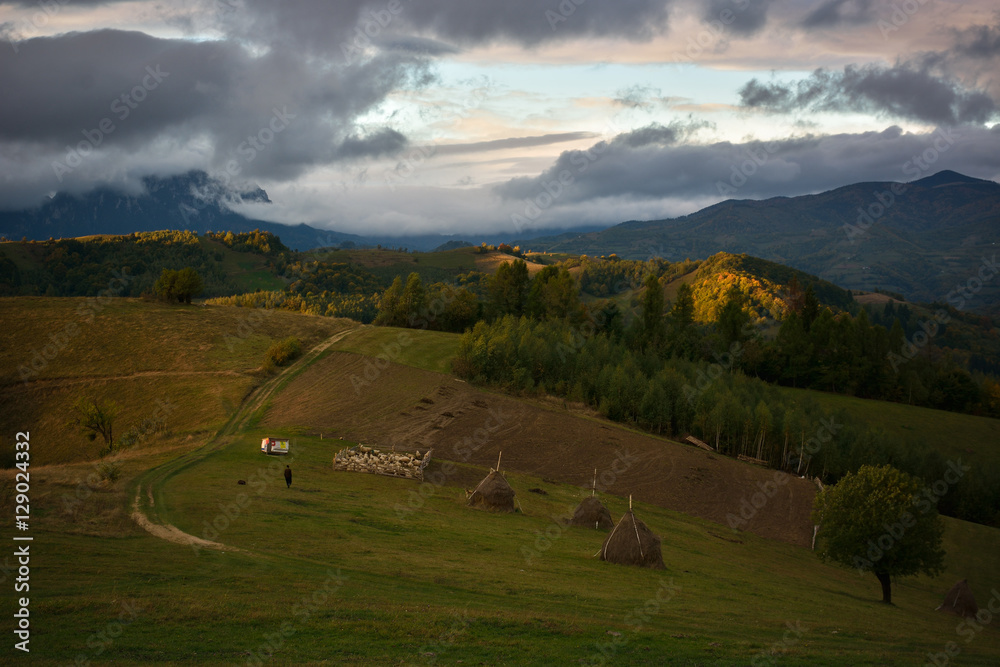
(337, 570)
(198, 361)
(445, 583)
(971, 438)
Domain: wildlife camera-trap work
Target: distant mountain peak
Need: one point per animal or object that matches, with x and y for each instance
(948, 177)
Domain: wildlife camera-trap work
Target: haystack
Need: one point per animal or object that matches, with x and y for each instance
(493, 493)
(960, 600)
(633, 543)
(591, 513)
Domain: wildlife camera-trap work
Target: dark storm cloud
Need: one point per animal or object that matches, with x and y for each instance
(323, 26)
(833, 13)
(270, 114)
(743, 17)
(656, 134)
(416, 45)
(618, 172)
(901, 91)
(384, 142)
(978, 41)
(642, 141)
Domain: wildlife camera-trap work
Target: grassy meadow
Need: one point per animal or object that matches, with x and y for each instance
(347, 568)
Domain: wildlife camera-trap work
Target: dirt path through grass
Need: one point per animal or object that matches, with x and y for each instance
(145, 513)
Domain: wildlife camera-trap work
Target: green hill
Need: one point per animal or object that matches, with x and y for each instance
(932, 237)
(338, 568)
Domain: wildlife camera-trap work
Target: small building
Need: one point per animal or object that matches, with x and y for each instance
(274, 446)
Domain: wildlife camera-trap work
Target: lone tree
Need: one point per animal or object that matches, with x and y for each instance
(873, 520)
(96, 419)
(180, 285)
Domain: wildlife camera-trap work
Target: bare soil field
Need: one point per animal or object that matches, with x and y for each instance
(347, 395)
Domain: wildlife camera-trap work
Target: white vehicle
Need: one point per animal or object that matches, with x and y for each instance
(274, 446)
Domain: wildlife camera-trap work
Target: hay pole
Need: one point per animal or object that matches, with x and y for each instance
(593, 487)
(635, 528)
(499, 456)
(604, 547)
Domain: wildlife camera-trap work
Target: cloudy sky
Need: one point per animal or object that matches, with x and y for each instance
(408, 116)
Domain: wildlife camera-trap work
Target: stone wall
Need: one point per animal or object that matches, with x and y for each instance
(362, 458)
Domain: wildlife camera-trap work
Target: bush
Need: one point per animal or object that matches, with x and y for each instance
(284, 351)
(110, 471)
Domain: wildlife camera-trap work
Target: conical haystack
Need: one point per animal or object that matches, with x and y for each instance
(633, 543)
(493, 493)
(960, 600)
(591, 513)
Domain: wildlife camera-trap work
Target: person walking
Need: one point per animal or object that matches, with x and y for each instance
(288, 477)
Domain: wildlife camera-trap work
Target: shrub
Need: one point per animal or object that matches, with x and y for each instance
(284, 351)
(110, 471)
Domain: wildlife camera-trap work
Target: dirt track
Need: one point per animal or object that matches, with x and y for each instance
(411, 408)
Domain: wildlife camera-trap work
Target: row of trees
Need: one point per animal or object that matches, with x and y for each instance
(126, 265)
(735, 413)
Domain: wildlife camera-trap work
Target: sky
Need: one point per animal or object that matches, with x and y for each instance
(421, 116)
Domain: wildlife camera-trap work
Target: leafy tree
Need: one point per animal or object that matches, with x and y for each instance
(461, 311)
(180, 285)
(188, 284)
(875, 520)
(508, 288)
(413, 300)
(681, 335)
(732, 319)
(94, 419)
(390, 313)
(553, 294)
(810, 307)
(165, 285)
(653, 328)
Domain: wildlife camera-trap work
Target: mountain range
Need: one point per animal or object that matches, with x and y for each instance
(931, 240)
(193, 201)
